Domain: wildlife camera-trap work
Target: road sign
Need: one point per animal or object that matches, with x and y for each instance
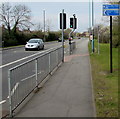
(111, 12)
(64, 21)
(114, 6)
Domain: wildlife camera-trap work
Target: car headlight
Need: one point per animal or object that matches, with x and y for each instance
(35, 46)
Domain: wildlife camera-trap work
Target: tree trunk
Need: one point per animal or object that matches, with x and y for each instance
(9, 30)
(14, 28)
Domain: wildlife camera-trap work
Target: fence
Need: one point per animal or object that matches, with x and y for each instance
(26, 77)
(72, 46)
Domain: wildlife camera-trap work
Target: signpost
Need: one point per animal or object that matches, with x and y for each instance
(63, 26)
(111, 10)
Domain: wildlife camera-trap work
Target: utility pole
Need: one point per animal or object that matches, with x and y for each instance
(44, 23)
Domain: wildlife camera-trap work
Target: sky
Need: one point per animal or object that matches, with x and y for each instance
(53, 9)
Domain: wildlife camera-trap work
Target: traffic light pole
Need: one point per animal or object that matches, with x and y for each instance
(71, 33)
(70, 40)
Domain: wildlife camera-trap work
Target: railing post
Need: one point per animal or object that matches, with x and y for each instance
(10, 98)
(36, 72)
(49, 63)
(70, 48)
(57, 57)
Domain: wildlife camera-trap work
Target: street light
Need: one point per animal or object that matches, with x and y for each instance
(44, 23)
(93, 26)
(89, 30)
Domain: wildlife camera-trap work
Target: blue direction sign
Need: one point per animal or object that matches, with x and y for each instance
(114, 6)
(111, 12)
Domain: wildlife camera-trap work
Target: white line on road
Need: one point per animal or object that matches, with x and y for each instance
(20, 59)
(26, 57)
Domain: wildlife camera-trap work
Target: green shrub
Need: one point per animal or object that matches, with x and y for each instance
(10, 42)
(51, 37)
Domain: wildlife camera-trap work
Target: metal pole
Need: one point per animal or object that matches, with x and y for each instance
(98, 41)
(44, 23)
(63, 34)
(89, 20)
(10, 98)
(36, 72)
(71, 33)
(49, 63)
(93, 26)
(70, 41)
(111, 44)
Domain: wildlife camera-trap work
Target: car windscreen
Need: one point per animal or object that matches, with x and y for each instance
(33, 41)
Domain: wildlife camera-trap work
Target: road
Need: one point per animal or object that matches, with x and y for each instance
(13, 57)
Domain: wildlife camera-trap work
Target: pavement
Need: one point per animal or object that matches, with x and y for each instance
(67, 93)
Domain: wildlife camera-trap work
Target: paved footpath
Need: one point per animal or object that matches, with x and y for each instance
(68, 93)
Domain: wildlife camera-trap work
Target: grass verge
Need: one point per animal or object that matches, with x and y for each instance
(105, 84)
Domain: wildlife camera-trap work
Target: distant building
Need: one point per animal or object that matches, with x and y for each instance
(85, 34)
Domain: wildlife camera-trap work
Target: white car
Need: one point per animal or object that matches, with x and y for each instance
(34, 43)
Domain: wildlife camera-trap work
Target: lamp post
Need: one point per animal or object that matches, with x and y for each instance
(93, 26)
(44, 23)
(89, 19)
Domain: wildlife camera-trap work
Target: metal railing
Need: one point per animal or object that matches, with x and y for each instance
(26, 77)
(72, 46)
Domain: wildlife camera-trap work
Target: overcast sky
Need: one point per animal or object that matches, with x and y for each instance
(52, 9)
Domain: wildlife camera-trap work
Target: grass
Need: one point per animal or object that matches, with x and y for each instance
(105, 84)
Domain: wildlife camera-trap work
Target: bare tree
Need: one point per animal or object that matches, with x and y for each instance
(5, 15)
(48, 25)
(21, 17)
(16, 16)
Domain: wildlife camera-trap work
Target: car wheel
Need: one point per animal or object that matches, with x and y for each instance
(43, 47)
(38, 48)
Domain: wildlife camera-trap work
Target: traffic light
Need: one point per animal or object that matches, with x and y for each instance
(71, 22)
(64, 20)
